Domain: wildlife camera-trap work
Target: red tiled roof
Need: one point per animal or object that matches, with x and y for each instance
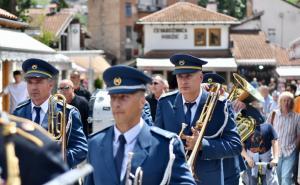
(250, 46)
(282, 57)
(186, 12)
(51, 23)
(9, 20)
(57, 22)
(7, 15)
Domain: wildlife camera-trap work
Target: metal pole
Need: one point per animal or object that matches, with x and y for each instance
(90, 76)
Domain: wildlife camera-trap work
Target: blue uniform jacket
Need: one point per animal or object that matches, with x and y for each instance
(221, 138)
(146, 114)
(76, 144)
(233, 166)
(151, 153)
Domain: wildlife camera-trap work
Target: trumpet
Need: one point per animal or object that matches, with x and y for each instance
(131, 179)
(246, 93)
(57, 126)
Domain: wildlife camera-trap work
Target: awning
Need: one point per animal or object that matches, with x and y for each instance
(288, 71)
(96, 63)
(247, 62)
(214, 64)
(17, 46)
(19, 41)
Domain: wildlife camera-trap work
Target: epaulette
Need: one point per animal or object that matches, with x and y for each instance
(161, 132)
(172, 93)
(23, 103)
(96, 133)
(68, 106)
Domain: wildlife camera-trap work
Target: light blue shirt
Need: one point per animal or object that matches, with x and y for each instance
(43, 111)
(131, 137)
(194, 108)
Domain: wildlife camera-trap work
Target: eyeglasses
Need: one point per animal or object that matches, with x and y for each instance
(154, 83)
(64, 88)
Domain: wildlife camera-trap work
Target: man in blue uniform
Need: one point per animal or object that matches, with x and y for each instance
(40, 77)
(232, 166)
(184, 106)
(159, 153)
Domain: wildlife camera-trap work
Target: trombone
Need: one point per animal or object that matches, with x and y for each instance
(203, 121)
(57, 125)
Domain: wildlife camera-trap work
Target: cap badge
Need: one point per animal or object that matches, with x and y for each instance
(117, 81)
(34, 66)
(209, 80)
(181, 62)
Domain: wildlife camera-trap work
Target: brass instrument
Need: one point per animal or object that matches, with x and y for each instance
(57, 125)
(12, 161)
(183, 126)
(245, 126)
(203, 121)
(246, 93)
(131, 179)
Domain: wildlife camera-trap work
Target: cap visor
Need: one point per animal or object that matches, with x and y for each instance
(184, 71)
(35, 75)
(124, 91)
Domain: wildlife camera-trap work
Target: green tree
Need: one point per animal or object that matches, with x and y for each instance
(47, 38)
(202, 3)
(17, 7)
(234, 8)
(98, 83)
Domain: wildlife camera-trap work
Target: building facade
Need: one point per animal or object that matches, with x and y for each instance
(280, 20)
(194, 30)
(112, 24)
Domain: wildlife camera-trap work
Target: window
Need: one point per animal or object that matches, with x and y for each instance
(271, 34)
(215, 37)
(129, 32)
(200, 37)
(128, 53)
(128, 11)
(64, 42)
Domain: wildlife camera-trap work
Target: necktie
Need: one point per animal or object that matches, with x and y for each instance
(188, 114)
(120, 155)
(37, 117)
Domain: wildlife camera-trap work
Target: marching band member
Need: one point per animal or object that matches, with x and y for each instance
(40, 78)
(38, 157)
(153, 149)
(184, 106)
(232, 166)
(261, 146)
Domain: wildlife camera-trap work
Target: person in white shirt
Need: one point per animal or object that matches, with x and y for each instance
(17, 91)
(287, 125)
